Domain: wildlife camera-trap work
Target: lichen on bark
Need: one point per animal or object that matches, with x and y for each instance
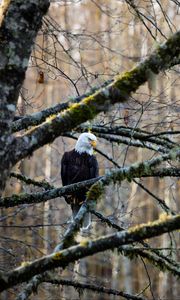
(20, 22)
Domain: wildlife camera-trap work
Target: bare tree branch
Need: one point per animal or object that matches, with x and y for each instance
(135, 133)
(92, 287)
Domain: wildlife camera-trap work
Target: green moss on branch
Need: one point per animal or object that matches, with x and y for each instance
(117, 91)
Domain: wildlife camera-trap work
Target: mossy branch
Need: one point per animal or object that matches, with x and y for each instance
(154, 256)
(158, 261)
(67, 241)
(64, 257)
(136, 170)
(41, 116)
(43, 184)
(38, 197)
(69, 236)
(164, 57)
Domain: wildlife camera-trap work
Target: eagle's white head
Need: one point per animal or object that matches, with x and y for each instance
(85, 143)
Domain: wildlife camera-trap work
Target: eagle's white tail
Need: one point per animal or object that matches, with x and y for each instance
(86, 221)
(86, 224)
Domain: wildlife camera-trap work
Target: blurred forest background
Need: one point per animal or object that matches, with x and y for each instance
(81, 45)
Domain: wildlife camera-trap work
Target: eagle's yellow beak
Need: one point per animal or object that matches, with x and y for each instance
(93, 143)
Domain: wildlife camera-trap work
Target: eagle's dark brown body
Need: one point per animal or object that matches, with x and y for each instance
(76, 167)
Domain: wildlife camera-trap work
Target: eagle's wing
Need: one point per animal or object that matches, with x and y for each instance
(93, 172)
(64, 174)
(94, 168)
(64, 169)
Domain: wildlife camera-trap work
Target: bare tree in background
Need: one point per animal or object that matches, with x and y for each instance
(116, 64)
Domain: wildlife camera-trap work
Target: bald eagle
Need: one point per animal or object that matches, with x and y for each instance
(78, 165)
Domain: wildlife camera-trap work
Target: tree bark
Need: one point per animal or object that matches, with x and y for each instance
(20, 22)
